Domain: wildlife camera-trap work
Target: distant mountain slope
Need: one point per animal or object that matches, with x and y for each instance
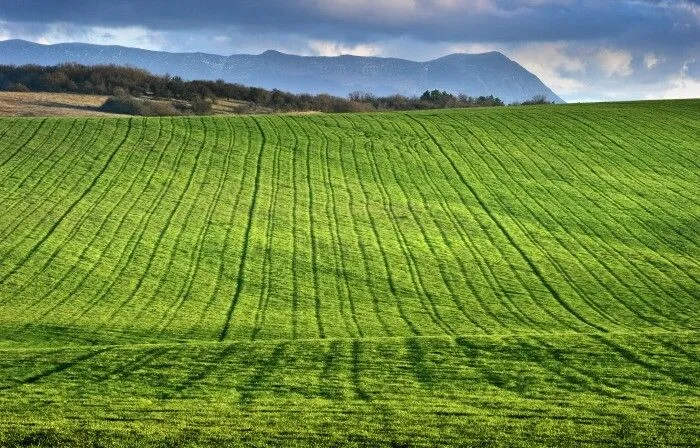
(474, 74)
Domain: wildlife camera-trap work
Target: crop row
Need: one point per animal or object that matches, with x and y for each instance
(573, 390)
(286, 227)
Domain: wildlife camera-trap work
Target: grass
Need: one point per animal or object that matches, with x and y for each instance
(494, 277)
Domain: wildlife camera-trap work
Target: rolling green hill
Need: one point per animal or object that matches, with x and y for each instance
(506, 276)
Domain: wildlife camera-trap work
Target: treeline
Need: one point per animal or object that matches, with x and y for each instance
(430, 99)
(136, 91)
(537, 99)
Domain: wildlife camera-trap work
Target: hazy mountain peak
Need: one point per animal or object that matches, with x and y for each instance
(269, 53)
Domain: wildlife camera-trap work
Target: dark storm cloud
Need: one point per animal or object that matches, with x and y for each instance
(166, 14)
(361, 20)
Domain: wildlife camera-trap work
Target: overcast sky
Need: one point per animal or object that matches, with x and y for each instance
(583, 49)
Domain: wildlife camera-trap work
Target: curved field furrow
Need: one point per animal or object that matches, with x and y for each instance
(378, 286)
(476, 320)
(263, 299)
(614, 196)
(583, 268)
(295, 240)
(511, 240)
(382, 243)
(638, 252)
(343, 289)
(578, 252)
(70, 208)
(50, 186)
(20, 183)
(617, 194)
(150, 277)
(578, 213)
(516, 276)
(683, 178)
(111, 187)
(657, 142)
(313, 243)
(370, 277)
(184, 292)
(652, 208)
(494, 278)
(8, 178)
(607, 134)
(73, 274)
(49, 200)
(306, 247)
(11, 153)
(220, 283)
(124, 256)
(246, 236)
(60, 130)
(530, 238)
(418, 283)
(499, 277)
(336, 321)
(12, 130)
(406, 204)
(77, 227)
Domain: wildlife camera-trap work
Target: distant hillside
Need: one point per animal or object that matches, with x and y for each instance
(136, 91)
(473, 74)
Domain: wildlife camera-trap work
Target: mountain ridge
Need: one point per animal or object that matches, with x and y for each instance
(490, 73)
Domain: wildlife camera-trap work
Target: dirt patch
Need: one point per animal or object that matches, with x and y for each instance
(42, 104)
(39, 104)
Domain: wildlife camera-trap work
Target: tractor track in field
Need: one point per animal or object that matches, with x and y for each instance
(76, 228)
(517, 276)
(492, 221)
(28, 211)
(116, 271)
(246, 237)
(70, 208)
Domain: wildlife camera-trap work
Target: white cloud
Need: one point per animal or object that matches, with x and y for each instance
(4, 31)
(548, 61)
(651, 60)
(680, 85)
(552, 62)
(132, 36)
(473, 48)
(690, 7)
(615, 62)
(331, 48)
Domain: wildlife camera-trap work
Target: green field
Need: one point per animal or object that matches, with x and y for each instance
(514, 276)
